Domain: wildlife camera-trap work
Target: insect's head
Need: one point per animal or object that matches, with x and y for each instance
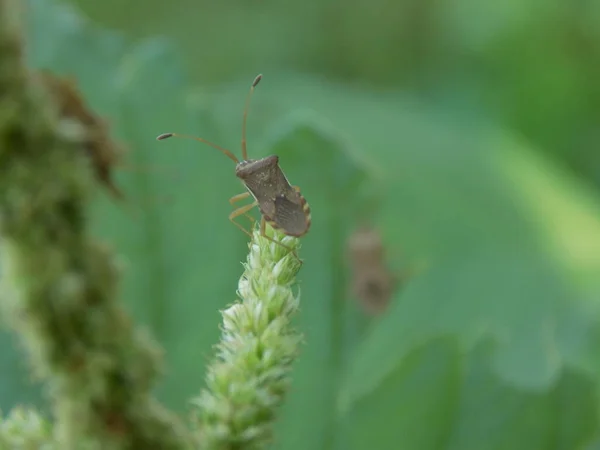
(226, 152)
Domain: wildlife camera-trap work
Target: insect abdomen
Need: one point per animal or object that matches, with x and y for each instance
(290, 217)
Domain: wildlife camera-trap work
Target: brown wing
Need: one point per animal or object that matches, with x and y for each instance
(290, 216)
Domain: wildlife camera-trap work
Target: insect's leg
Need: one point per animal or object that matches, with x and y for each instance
(263, 233)
(237, 198)
(241, 211)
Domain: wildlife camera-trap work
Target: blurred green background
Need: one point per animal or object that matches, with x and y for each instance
(466, 132)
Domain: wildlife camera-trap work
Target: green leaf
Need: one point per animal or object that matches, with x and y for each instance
(313, 157)
(496, 226)
(495, 415)
(413, 406)
(60, 40)
(16, 383)
(502, 262)
(183, 255)
(511, 246)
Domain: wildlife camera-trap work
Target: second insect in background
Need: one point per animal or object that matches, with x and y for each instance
(373, 284)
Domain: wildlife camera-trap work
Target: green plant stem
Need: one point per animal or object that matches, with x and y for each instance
(59, 286)
(250, 376)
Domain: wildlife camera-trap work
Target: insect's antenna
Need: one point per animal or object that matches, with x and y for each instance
(221, 149)
(244, 150)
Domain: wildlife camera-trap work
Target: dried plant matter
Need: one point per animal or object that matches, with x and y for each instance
(85, 125)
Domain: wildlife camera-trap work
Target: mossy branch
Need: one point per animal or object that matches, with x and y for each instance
(250, 376)
(59, 285)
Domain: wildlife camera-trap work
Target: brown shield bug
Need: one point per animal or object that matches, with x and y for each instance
(281, 205)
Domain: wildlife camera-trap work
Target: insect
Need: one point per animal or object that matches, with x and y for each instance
(281, 205)
(373, 284)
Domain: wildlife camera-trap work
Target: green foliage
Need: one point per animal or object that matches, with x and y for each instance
(533, 65)
(493, 345)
